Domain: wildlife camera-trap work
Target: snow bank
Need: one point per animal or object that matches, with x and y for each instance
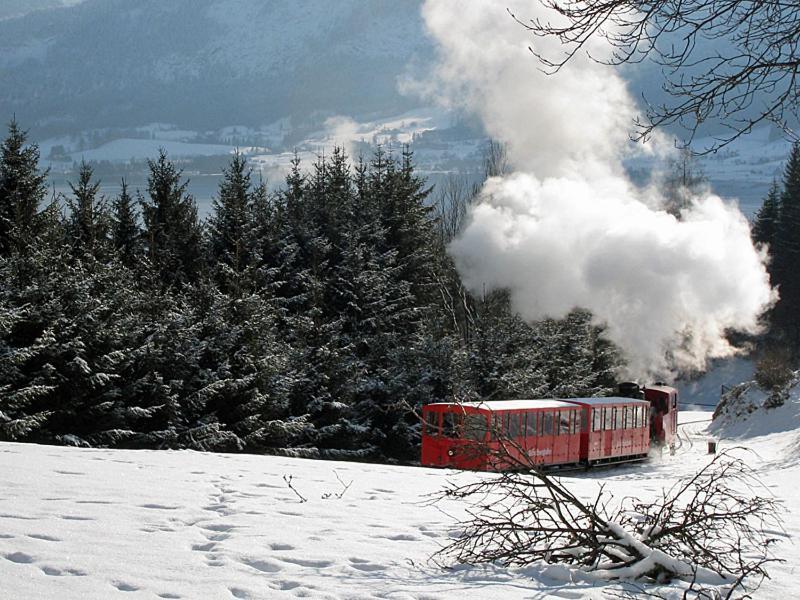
(746, 410)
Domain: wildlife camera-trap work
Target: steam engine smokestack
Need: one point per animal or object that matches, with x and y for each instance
(630, 389)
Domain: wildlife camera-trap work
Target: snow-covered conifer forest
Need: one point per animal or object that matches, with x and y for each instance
(221, 397)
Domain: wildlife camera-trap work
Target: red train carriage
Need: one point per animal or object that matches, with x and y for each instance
(618, 429)
(501, 435)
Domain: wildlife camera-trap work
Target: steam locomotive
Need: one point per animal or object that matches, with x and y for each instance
(507, 434)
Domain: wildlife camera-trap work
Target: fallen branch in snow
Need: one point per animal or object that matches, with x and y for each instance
(288, 480)
(338, 495)
(711, 530)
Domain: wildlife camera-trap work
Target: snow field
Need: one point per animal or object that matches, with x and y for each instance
(77, 523)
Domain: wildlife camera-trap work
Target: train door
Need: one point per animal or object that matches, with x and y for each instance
(562, 437)
(608, 434)
(434, 451)
(577, 420)
(545, 440)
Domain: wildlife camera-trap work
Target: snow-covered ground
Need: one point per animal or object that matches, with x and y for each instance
(77, 523)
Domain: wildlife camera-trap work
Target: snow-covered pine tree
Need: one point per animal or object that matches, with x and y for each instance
(172, 232)
(89, 222)
(786, 253)
(22, 189)
(264, 226)
(577, 360)
(768, 217)
(230, 226)
(126, 237)
(503, 356)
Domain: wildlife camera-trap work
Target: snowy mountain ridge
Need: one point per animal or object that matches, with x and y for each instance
(249, 61)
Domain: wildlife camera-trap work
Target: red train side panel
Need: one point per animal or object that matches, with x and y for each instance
(617, 429)
(501, 435)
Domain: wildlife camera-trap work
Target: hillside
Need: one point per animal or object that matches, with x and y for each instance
(104, 63)
(152, 524)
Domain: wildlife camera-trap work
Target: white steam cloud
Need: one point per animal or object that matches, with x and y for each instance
(567, 229)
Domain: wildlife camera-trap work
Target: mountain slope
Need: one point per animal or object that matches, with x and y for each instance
(204, 63)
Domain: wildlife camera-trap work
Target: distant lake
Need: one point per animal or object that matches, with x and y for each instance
(202, 187)
(749, 193)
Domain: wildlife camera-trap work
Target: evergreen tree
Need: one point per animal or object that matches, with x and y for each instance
(786, 265)
(88, 223)
(22, 189)
(125, 233)
(172, 232)
(230, 225)
(768, 217)
(262, 239)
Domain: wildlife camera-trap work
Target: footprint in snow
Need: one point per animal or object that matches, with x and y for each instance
(287, 584)
(307, 562)
(281, 547)
(20, 558)
(124, 587)
(204, 547)
(20, 517)
(362, 564)
(239, 593)
(221, 527)
(265, 566)
(46, 538)
(401, 537)
(56, 572)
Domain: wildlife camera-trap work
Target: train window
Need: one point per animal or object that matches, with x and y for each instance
(564, 418)
(615, 418)
(548, 424)
(514, 422)
(606, 419)
(626, 417)
(451, 425)
(597, 419)
(578, 421)
(432, 423)
(531, 424)
(475, 427)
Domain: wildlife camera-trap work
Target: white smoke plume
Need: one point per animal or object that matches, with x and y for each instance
(567, 229)
(344, 132)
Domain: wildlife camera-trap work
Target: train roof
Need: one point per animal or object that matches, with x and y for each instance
(608, 400)
(539, 403)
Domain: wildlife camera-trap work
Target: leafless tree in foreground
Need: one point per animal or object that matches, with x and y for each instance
(713, 530)
(732, 60)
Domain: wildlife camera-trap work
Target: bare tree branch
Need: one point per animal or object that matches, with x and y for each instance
(714, 530)
(736, 61)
